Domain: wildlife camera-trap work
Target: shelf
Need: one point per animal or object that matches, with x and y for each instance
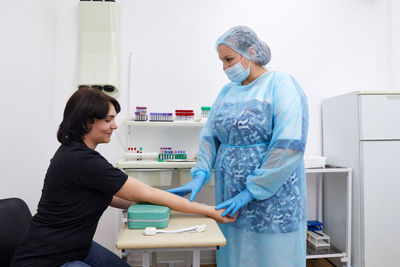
(165, 123)
(327, 169)
(152, 164)
(324, 252)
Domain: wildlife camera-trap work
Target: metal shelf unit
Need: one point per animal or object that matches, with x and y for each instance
(343, 254)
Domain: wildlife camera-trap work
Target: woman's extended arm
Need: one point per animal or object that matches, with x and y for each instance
(137, 191)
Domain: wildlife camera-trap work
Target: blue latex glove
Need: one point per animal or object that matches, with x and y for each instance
(193, 186)
(235, 203)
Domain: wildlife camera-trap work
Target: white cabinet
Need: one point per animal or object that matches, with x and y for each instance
(361, 130)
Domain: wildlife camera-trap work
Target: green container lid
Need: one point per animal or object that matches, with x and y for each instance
(141, 216)
(205, 108)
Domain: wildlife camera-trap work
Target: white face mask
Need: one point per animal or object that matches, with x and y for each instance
(236, 73)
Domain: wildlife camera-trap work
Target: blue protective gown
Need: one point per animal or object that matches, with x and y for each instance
(255, 138)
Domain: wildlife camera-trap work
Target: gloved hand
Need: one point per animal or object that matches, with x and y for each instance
(235, 203)
(193, 186)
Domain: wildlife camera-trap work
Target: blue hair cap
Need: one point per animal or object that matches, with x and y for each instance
(241, 39)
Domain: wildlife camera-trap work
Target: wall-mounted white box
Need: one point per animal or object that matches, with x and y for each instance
(99, 45)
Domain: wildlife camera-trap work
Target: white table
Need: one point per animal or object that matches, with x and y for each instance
(211, 239)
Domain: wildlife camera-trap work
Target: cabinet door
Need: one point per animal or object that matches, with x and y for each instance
(381, 202)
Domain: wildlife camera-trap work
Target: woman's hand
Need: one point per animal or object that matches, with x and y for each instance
(217, 215)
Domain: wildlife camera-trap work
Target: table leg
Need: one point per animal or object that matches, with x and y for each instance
(154, 259)
(188, 258)
(196, 257)
(145, 259)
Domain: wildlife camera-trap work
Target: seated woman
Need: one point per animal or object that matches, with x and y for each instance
(80, 184)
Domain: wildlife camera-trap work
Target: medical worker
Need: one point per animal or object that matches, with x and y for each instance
(255, 138)
(80, 184)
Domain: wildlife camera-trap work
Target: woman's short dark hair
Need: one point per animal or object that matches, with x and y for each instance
(85, 105)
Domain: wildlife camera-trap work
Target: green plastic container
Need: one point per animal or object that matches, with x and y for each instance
(141, 216)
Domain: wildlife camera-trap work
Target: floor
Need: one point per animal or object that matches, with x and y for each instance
(310, 263)
(319, 263)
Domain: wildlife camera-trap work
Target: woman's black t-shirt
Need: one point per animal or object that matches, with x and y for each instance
(78, 187)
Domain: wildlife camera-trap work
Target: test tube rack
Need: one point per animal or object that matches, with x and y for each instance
(205, 112)
(141, 114)
(318, 239)
(165, 117)
(184, 115)
(172, 157)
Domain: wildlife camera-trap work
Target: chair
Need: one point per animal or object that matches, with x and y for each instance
(15, 219)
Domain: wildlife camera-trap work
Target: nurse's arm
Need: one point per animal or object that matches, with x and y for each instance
(137, 191)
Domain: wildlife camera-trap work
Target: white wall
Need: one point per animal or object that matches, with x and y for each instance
(394, 43)
(27, 99)
(330, 47)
